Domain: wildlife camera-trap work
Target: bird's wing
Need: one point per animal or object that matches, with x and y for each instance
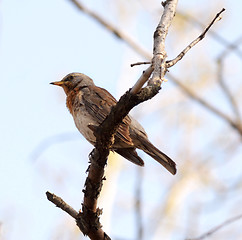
(98, 103)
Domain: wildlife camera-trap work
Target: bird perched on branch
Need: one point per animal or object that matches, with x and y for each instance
(89, 105)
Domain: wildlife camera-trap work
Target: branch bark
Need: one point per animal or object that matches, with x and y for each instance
(60, 203)
(159, 53)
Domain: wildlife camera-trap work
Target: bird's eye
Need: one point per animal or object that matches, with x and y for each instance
(71, 77)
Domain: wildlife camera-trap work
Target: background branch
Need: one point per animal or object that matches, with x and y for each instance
(221, 82)
(207, 105)
(118, 33)
(217, 228)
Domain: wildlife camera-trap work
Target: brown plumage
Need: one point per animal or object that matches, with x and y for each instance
(89, 105)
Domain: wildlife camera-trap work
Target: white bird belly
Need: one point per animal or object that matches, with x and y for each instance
(82, 119)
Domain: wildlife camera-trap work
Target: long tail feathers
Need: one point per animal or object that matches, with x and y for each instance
(150, 149)
(159, 156)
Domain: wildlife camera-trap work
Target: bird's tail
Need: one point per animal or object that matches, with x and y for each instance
(131, 155)
(159, 156)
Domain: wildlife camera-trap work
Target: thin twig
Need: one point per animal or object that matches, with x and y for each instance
(215, 229)
(60, 203)
(230, 97)
(215, 35)
(139, 63)
(232, 46)
(171, 63)
(119, 34)
(142, 80)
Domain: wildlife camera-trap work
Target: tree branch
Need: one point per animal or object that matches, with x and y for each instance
(207, 105)
(223, 41)
(142, 80)
(139, 63)
(159, 53)
(221, 82)
(60, 203)
(118, 33)
(215, 229)
(170, 63)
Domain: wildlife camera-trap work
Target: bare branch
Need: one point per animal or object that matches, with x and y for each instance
(142, 80)
(230, 97)
(232, 46)
(215, 35)
(81, 218)
(207, 105)
(170, 63)
(118, 33)
(159, 53)
(139, 63)
(215, 229)
(60, 203)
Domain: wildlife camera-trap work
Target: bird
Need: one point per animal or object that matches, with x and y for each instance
(89, 105)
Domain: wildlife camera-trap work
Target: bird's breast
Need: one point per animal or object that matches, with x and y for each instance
(81, 116)
(82, 120)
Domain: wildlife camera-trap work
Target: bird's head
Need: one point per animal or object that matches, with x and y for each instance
(72, 80)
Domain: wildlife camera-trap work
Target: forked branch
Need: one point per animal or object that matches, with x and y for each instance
(171, 63)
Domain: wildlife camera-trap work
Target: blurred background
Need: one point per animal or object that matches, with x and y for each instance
(195, 119)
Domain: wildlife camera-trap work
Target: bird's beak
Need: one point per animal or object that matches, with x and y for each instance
(58, 83)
